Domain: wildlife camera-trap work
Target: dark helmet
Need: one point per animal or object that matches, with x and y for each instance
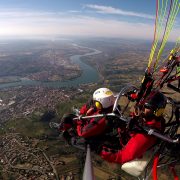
(67, 121)
(156, 101)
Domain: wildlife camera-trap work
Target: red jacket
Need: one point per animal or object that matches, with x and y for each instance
(138, 144)
(94, 126)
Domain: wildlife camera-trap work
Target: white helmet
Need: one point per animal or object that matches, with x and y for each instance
(104, 96)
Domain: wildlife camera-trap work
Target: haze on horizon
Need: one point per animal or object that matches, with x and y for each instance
(90, 18)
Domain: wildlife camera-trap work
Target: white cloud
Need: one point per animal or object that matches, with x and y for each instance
(28, 23)
(74, 11)
(111, 10)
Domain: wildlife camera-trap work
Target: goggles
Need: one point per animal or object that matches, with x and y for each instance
(98, 105)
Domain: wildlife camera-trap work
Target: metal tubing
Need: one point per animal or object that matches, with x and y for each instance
(165, 138)
(88, 173)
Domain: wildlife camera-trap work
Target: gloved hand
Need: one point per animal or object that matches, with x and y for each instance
(66, 122)
(80, 117)
(90, 111)
(79, 120)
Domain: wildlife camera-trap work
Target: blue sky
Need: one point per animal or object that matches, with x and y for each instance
(107, 18)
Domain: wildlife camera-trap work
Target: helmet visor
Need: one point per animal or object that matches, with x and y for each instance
(98, 105)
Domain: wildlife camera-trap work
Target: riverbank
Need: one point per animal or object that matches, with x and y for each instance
(5, 80)
(87, 74)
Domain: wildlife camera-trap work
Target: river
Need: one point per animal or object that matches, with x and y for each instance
(89, 75)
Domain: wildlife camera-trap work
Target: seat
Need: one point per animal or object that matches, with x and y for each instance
(137, 166)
